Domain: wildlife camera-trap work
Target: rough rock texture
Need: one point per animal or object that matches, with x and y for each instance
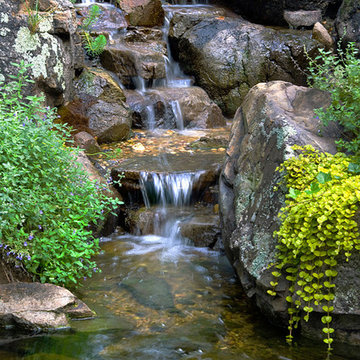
(55, 48)
(227, 56)
(38, 307)
(348, 21)
(272, 118)
(168, 106)
(86, 142)
(271, 12)
(302, 18)
(322, 36)
(109, 118)
(143, 12)
(128, 60)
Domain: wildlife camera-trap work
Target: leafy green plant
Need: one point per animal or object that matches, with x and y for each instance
(317, 228)
(34, 18)
(340, 75)
(47, 201)
(94, 46)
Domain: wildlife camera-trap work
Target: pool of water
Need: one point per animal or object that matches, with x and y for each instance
(158, 298)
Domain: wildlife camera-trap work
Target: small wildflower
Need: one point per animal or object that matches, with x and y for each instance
(25, 243)
(29, 257)
(72, 194)
(68, 209)
(41, 212)
(31, 237)
(40, 227)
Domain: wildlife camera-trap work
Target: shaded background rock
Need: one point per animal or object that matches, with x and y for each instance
(143, 12)
(348, 21)
(271, 12)
(272, 118)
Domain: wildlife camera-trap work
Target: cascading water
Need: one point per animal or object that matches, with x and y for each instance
(173, 192)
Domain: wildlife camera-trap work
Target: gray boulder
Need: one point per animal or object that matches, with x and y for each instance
(272, 118)
(227, 55)
(302, 18)
(109, 118)
(54, 49)
(39, 307)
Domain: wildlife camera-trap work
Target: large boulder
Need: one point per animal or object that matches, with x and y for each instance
(54, 48)
(109, 118)
(272, 118)
(228, 55)
(143, 12)
(348, 21)
(35, 307)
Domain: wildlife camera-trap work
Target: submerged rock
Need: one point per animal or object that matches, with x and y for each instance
(272, 118)
(38, 307)
(228, 55)
(149, 290)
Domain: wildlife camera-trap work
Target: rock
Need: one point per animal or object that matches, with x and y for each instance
(111, 19)
(128, 60)
(129, 171)
(54, 50)
(322, 36)
(272, 10)
(302, 18)
(86, 142)
(272, 118)
(228, 55)
(108, 225)
(348, 21)
(175, 108)
(38, 307)
(109, 118)
(203, 229)
(143, 12)
(149, 290)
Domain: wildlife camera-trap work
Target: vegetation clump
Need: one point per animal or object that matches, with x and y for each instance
(318, 227)
(339, 74)
(94, 46)
(47, 201)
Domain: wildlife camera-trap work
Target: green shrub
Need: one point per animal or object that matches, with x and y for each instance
(317, 228)
(47, 201)
(340, 75)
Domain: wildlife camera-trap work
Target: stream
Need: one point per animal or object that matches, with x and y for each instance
(157, 295)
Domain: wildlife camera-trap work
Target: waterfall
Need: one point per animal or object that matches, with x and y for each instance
(168, 189)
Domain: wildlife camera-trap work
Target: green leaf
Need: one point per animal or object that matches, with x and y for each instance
(322, 177)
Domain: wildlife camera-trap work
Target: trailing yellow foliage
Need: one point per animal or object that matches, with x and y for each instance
(317, 226)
